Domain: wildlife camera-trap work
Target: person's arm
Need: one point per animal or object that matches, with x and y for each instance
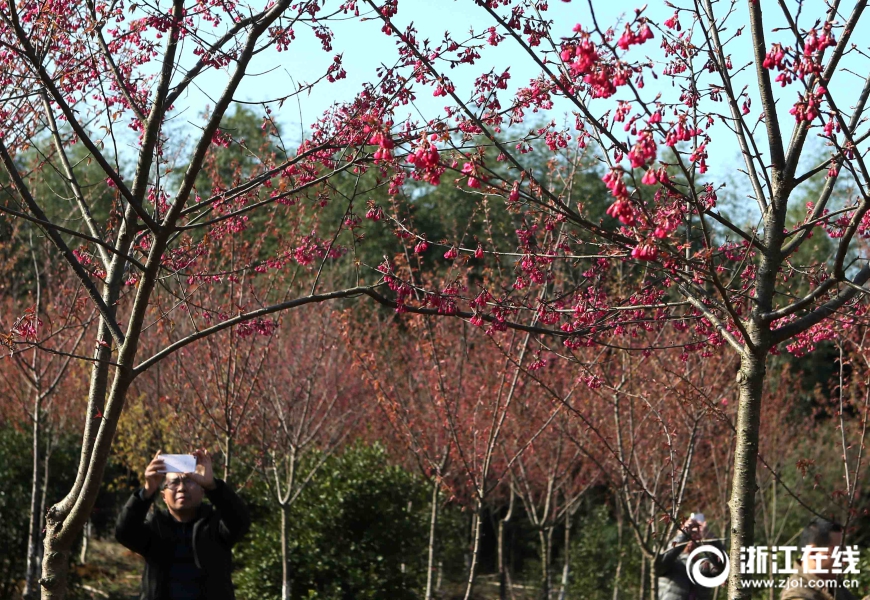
(666, 560)
(712, 564)
(131, 531)
(690, 529)
(235, 519)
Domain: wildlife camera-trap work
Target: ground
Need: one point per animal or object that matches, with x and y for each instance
(113, 572)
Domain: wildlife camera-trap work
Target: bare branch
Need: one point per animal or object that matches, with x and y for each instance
(771, 120)
(52, 233)
(826, 310)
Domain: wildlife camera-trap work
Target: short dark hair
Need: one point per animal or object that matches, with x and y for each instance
(818, 532)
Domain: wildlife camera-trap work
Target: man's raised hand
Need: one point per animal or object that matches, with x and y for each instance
(204, 474)
(154, 475)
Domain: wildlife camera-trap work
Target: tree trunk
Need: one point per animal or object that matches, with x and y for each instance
(228, 457)
(86, 538)
(65, 520)
(55, 568)
(620, 550)
(566, 563)
(58, 544)
(643, 578)
(502, 571)
(433, 520)
(286, 583)
(472, 567)
(502, 562)
(31, 589)
(549, 560)
(543, 538)
(750, 381)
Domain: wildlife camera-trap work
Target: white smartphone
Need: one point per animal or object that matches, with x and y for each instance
(178, 463)
(699, 517)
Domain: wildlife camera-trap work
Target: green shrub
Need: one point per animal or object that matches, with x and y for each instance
(15, 472)
(595, 554)
(359, 530)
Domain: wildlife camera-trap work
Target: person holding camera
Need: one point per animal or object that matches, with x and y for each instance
(816, 577)
(670, 567)
(188, 547)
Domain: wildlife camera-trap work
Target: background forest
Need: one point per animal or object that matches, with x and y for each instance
(387, 455)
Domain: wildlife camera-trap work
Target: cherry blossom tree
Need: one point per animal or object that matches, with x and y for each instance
(550, 476)
(453, 410)
(721, 281)
(652, 98)
(37, 377)
(94, 75)
(414, 404)
(307, 407)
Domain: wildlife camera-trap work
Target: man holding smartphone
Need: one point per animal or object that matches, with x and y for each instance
(187, 548)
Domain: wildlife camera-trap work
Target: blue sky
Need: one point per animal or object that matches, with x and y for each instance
(365, 47)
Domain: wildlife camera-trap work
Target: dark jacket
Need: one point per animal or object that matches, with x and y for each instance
(806, 586)
(673, 580)
(216, 528)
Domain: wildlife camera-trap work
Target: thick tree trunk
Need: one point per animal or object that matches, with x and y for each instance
(55, 568)
(433, 520)
(31, 589)
(58, 543)
(65, 520)
(750, 381)
(286, 583)
(475, 548)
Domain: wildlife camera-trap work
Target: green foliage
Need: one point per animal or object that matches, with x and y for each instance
(15, 470)
(143, 429)
(248, 151)
(453, 214)
(359, 530)
(20, 240)
(595, 555)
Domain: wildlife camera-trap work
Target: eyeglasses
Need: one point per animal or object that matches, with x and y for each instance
(175, 483)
